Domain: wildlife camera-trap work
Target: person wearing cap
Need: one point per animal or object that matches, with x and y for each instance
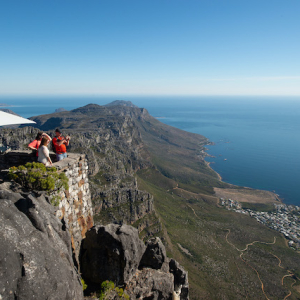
(60, 144)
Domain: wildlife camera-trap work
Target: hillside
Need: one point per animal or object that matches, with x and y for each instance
(154, 176)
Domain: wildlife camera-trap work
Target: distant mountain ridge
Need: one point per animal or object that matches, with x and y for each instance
(154, 176)
(9, 111)
(122, 103)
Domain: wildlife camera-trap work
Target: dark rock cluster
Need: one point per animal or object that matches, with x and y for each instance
(115, 253)
(37, 259)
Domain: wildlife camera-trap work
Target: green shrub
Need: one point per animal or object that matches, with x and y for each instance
(84, 285)
(55, 200)
(107, 285)
(35, 176)
(108, 289)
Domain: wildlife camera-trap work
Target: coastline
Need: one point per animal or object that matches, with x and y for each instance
(208, 165)
(243, 193)
(163, 114)
(208, 155)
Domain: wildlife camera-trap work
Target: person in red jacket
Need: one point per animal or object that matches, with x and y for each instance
(34, 145)
(60, 144)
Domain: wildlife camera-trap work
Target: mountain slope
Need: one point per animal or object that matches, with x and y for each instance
(154, 176)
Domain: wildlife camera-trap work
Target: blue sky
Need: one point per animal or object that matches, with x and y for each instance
(150, 47)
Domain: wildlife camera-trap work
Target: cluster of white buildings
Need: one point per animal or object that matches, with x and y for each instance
(284, 218)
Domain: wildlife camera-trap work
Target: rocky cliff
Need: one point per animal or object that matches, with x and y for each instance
(36, 253)
(114, 152)
(38, 259)
(111, 140)
(119, 141)
(153, 176)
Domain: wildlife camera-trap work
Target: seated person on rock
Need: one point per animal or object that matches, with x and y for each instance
(34, 145)
(44, 153)
(60, 145)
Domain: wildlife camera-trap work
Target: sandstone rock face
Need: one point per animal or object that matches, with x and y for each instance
(125, 205)
(36, 255)
(111, 252)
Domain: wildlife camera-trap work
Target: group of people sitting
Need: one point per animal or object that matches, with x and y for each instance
(41, 142)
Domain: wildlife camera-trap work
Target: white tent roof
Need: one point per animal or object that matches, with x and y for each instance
(9, 119)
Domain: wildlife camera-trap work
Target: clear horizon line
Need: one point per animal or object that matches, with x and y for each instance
(140, 95)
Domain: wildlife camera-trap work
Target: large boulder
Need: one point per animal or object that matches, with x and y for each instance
(36, 256)
(155, 254)
(151, 284)
(111, 252)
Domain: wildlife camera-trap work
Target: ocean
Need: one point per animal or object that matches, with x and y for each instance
(256, 139)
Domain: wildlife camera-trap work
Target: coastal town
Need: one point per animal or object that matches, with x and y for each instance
(283, 218)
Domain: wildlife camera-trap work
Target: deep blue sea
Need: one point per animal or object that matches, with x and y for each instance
(257, 142)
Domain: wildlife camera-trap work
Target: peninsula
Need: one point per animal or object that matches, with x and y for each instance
(154, 176)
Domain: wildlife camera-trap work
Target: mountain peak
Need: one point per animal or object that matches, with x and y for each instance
(121, 103)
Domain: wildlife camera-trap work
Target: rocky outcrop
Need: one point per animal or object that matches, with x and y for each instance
(155, 254)
(36, 254)
(125, 205)
(112, 253)
(181, 285)
(151, 284)
(74, 204)
(112, 143)
(115, 253)
(36, 259)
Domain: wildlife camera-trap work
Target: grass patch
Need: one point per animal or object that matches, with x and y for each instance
(259, 207)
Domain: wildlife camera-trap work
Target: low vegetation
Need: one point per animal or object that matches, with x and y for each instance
(109, 291)
(214, 238)
(35, 176)
(84, 285)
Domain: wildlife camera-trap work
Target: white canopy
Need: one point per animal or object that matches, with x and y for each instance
(9, 119)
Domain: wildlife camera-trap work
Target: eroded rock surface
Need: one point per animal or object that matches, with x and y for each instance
(155, 254)
(151, 284)
(36, 256)
(181, 285)
(115, 252)
(111, 252)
